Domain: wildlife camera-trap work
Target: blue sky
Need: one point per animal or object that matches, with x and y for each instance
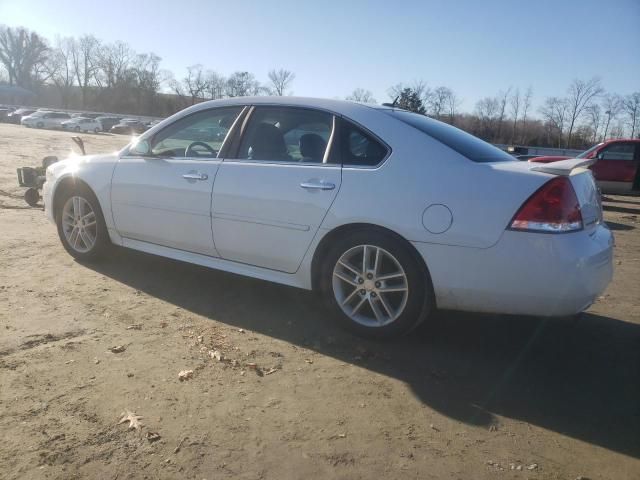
(475, 47)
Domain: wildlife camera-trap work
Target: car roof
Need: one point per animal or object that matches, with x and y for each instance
(616, 140)
(343, 107)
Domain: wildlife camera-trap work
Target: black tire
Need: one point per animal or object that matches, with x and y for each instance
(102, 243)
(32, 197)
(420, 301)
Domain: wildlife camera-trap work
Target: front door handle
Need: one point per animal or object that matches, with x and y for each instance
(317, 185)
(195, 176)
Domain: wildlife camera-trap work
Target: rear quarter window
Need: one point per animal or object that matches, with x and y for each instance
(462, 142)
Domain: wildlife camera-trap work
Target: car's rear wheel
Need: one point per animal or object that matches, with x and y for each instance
(81, 225)
(376, 285)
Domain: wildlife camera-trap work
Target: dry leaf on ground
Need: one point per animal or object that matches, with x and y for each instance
(132, 418)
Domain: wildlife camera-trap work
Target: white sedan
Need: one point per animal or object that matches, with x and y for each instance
(389, 214)
(44, 119)
(82, 124)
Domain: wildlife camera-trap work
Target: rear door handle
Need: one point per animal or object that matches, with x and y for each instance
(317, 185)
(195, 176)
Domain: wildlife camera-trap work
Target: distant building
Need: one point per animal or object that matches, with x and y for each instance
(12, 95)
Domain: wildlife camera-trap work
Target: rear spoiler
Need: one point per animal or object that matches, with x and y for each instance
(562, 167)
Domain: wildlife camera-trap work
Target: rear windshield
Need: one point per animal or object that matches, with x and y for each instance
(462, 142)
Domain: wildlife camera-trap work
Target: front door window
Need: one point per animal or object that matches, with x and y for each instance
(199, 135)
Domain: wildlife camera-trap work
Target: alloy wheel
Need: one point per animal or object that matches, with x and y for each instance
(370, 285)
(79, 224)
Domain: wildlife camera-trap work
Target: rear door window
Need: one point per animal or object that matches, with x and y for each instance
(286, 134)
(360, 148)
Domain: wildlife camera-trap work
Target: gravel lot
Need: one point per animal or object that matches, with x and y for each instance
(277, 391)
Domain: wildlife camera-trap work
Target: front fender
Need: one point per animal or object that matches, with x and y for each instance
(96, 171)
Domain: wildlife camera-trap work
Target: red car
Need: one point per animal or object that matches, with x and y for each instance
(617, 169)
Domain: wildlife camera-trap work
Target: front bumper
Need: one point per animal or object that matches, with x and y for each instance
(524, 273)
(47, 198)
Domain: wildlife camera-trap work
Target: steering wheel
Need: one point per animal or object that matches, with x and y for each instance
(189, 151)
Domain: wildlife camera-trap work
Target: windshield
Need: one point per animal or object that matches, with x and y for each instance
(586, 153)
(462, 142)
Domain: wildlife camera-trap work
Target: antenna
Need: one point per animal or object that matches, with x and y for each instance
(392, 105)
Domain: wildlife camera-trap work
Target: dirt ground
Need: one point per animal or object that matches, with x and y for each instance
(279, 392)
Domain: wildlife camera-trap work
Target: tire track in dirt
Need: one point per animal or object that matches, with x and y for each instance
(37, 340)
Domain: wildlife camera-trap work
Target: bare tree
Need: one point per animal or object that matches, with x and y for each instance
(617, 131)
(195, 82)
(242, 84)
(84, 57)
(59, 68)
(22, 53)
(361, 95)
(526, 105)
(611, 105)
(174, 85)
(148, 75)
(280, 81)
(488, 111)
(631, 106)
(555, 111)
(215, 85)
(515, 102)
(113, 62)
(503, 98)
(594, 115)
(439, 102)
(453, 103)
(581, 95)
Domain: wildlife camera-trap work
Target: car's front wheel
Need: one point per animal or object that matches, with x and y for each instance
(376, 284)
(81, 225)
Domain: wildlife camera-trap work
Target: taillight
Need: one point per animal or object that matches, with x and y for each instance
(553, 208)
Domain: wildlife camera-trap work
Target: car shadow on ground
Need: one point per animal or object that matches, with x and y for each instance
(616, 208)
(619, 226)
(577, 377)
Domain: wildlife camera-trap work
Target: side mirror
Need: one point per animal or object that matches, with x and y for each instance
(600, 156)
(141, 147)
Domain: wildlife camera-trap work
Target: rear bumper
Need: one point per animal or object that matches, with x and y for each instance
(524, 273)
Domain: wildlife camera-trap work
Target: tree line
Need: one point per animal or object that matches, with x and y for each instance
(584, 116)
(85, 73)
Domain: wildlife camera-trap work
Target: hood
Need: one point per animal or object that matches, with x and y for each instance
(76, 161)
